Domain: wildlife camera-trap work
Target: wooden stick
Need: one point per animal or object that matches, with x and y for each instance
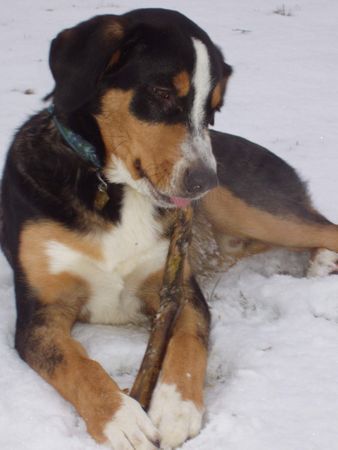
(171, 296)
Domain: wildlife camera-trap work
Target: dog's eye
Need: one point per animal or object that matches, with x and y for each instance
(162, 93)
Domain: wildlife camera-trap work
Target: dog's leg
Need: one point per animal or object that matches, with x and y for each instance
(261, 197)
(177, 404)
(49, 301)
(231, 215)
(45, 343)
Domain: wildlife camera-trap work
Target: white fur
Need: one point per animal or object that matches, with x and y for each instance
(117, 172)
(130, 428)
(199, 145)
(131, 251)
(324, 263)
(198, 148)
(176, 419)
(201, 82)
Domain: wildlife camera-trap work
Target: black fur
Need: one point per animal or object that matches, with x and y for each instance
(44, 178)
(33, 322)
(262, 179)
(82, 73)
(77, 59)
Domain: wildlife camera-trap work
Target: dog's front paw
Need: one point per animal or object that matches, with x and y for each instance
(324, 262)
(176, 419)
(130, 428)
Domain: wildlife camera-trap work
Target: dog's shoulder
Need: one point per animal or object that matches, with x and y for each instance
(43, 180)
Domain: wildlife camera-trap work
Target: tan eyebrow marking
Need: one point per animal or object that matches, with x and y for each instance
(182, 83)
(115, 57)
(217, 94)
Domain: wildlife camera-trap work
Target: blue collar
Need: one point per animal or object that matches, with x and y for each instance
(87, 152)
(75, 141)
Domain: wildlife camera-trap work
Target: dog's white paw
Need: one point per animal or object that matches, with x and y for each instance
(324, 262)
(130, 428)
(176, 419)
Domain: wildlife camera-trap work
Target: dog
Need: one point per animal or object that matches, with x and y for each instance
(89, 191)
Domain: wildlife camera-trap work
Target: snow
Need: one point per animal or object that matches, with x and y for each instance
(273, 369)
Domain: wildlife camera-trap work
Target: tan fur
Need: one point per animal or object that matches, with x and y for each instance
(149, 293)
(182, 83)
(114, 30)
(131, 139)
(114, 59)
(78, 379)
(50, 349)
(231, 215)
(87, 386)
(238, 248)
(34, 261)
(186, 356)
(217, 95)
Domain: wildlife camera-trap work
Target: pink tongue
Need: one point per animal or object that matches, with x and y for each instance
(180, 202)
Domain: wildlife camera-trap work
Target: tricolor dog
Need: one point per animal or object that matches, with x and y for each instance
(89, 190)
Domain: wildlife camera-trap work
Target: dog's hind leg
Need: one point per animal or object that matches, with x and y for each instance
(261, 197)
(233, 216)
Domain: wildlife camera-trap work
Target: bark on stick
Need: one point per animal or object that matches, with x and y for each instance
(171, 298)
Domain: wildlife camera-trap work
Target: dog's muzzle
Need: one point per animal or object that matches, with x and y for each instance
(198, 180)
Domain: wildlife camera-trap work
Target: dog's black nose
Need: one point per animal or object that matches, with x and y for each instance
(199, 180)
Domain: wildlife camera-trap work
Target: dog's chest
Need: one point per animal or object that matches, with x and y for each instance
(131, 251)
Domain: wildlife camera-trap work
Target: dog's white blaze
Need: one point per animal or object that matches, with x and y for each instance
(132, 250)
(197, 147)
(176, 419)
(201, 82)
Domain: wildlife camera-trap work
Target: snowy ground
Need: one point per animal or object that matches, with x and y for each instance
(273, 372)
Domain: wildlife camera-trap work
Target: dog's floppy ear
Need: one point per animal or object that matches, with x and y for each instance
(79, 56)
(227, 70)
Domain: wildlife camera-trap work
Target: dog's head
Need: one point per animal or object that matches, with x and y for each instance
(153, 80)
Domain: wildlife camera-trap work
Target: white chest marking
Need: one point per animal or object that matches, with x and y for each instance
(131, 251)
